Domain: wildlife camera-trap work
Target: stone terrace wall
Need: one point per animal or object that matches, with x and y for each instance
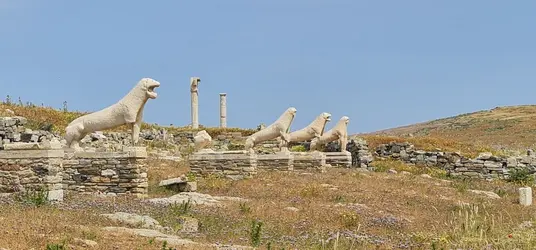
(31, 170)
(57, 171)
(230, 164)
(12, 130)
(358, 148)
(484, 166)
(107, 172)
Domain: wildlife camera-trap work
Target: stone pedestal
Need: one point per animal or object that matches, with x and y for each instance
(309, 160)
(525, 196)
(123, 172)
(339, 159)
(231, 164)
(30, 169)
(283, 160)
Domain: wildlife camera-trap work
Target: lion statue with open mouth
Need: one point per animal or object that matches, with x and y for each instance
(129, 110)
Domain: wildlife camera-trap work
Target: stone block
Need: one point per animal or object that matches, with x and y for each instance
(525, 196)
(279, 161)
(188, 224)
(339, 159)
(180, 184)
(108, 173)
(306, 160)
(55, 195)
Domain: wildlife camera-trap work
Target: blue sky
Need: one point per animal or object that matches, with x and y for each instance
(382, 63)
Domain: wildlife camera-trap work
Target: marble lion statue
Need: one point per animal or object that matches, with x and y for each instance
(129, 110)
(339, 132)
(279, 128)
(314, 130)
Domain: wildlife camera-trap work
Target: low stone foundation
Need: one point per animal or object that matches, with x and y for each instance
(239, 164)
(25, 168)
(339, 159)
(107, 172)
(309, 160)
(486, 165)
(32, 170)
(277, 161)
(232, 164)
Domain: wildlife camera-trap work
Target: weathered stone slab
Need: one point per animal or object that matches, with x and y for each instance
(180, 184)
(339, 159)
(232, 164)
(308, 160)
(127, 152)
(278, 161)
(30, 154)
(22, 146)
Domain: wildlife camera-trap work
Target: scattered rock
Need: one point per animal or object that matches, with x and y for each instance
(392, 171)
(97, 135)
(426, 176)
(172, 240)
(180, 184)
(85, 243)
(108, 173)
(197, 198)
(525, 224)
(292, 209)
(405, 173)
(150, 233)
(9, 111)
(325, 185)
(484, 156)
(134, 220)
(489, 194)
(188, 224)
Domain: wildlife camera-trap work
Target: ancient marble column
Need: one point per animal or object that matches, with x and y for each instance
(223, 110)
(194, 83)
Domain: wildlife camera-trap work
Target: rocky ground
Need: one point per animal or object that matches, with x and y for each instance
(398, 208)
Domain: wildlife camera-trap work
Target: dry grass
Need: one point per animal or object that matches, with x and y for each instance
(28, 227)
(396, 210)
(504, 127)
(162, 170)
(366, 210)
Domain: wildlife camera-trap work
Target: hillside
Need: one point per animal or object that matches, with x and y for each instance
(512, 127)
(47, 118)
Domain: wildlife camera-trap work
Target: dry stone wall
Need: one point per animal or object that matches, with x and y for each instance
(56, 171)
(485, 165)
(32, 170)
(107, 172)
(12, 130)
(230, 164)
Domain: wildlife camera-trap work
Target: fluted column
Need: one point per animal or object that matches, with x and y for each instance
(223, 110)
(194, 83)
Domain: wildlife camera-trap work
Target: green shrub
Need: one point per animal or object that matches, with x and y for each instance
(244, 208)
(521, 176)
(298, 148)
(182, 208)
(255, 233)
(56, 246)
(34, 197)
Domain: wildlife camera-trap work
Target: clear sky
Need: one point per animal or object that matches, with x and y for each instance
(382, 63)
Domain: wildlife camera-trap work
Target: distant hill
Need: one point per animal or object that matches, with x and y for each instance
(511, 127)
